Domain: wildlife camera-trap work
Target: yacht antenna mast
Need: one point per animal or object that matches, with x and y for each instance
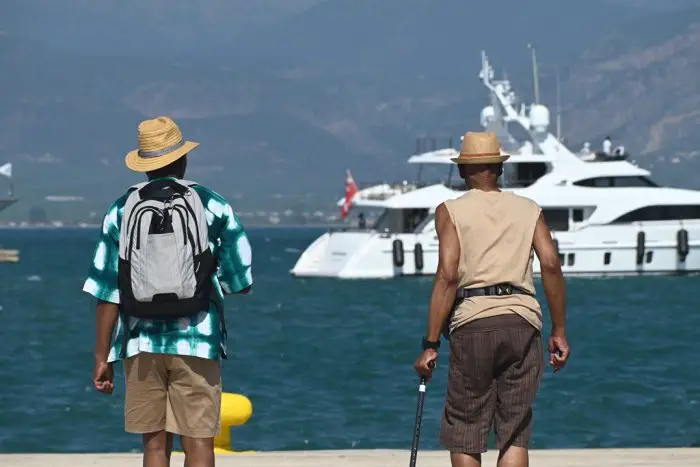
(558, 108)
(535, 76)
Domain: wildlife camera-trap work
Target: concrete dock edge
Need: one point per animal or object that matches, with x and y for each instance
(680, 457)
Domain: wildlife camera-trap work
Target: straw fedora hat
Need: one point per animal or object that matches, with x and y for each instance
(480, 148)
(160, 143)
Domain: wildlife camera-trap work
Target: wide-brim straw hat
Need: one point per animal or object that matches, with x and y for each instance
(480, 148)
(160, 143)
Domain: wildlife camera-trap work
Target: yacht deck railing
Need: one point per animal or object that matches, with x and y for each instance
(380, 191)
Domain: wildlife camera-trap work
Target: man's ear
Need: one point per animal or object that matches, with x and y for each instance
(462, 170)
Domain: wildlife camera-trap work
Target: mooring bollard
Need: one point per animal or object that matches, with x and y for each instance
(236, 410)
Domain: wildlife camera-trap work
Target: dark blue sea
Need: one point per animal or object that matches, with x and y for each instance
(328, 364)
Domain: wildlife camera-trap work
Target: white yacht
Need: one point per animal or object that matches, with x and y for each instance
(608, 218)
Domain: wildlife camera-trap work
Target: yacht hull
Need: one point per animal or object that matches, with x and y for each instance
(596, 251)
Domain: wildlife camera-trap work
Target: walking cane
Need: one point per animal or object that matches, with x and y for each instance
(419, 417)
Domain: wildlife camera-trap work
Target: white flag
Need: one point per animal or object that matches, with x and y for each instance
(6, 170)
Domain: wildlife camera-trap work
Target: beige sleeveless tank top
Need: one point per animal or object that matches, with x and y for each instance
(495, 231)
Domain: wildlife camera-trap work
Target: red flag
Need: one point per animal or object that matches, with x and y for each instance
(350, 191)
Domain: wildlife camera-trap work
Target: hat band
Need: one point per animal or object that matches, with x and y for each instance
(480, 154)
(162, 152)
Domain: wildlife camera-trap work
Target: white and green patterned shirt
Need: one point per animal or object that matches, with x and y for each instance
(201, 335)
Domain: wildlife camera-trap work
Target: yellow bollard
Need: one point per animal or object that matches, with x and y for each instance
(236, 410)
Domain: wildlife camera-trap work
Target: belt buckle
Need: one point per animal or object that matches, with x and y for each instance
(504, 289)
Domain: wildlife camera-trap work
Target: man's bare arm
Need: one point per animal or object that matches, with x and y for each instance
(552, 277)
(106, 318)
(446, 277)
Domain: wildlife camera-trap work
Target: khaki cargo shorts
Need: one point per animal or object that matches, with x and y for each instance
(178, 394)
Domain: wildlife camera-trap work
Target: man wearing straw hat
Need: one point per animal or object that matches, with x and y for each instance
(484, 284)
(171, 365)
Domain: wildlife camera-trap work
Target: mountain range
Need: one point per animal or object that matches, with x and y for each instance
(285, 96)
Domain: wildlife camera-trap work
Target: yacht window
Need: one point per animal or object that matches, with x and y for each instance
(625, 182)
(650, 256)
(561, 259)
(400, 220)
(606, 258)
(556, 219)
(522, 174)
(570, 259)
(413, 218)
(381, 222)
(660, 213)
(578, 215)
(616, 182)
(425, 222)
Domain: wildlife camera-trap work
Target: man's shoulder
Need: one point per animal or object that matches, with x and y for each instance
(208, 196)
(524, 201)
(463, 198)
(114, 211)
(121, 201)
(442, 209)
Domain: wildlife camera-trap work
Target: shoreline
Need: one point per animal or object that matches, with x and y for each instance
(642, 457)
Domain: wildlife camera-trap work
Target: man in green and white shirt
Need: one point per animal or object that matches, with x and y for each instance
(172, 367)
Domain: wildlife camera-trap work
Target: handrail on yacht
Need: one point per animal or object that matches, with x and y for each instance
(349, 228)
(398, 184)
(393, 184)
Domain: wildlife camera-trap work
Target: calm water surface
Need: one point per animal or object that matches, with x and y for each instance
(327, 364)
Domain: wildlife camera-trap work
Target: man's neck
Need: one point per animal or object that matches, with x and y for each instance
(482, 182)
(483, 187)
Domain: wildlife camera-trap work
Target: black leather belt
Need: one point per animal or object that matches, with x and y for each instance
(492, 290)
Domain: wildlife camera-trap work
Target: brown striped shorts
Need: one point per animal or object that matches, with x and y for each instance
(495, 368)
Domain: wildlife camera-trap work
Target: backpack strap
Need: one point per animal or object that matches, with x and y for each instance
(138, 186)
(188, 183)
(126, 328)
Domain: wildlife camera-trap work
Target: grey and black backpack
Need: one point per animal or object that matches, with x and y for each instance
(165, 263)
